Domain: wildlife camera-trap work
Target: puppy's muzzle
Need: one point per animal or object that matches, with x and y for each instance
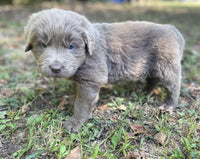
(55, 68)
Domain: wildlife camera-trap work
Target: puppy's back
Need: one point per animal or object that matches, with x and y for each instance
(134, 49)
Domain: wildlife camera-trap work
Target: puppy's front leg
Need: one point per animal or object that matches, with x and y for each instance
(86, 97)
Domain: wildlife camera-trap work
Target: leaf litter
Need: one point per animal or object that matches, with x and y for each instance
(74, 154)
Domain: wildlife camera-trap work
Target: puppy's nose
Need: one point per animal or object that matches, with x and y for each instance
(55, 68)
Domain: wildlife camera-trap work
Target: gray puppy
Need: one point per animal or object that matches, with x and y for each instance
(66, 45)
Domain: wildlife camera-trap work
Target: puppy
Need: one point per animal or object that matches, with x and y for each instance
(66, 45)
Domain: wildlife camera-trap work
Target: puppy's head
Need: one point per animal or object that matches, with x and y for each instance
(60, 41)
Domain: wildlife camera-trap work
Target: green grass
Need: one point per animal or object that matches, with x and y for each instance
(38, 133)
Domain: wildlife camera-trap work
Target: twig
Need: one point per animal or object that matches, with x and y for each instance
(187, 95)
(43, 98)
(100, 132)
(3, 109)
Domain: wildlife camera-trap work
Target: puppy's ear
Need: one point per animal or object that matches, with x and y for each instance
(28, 47)
(89, 41)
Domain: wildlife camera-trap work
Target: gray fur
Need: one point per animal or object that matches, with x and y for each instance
(103, 53)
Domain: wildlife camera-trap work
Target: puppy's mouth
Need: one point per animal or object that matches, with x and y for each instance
(58, 74)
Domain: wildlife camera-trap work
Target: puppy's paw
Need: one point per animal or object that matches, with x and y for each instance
(73, 124)
(167, 108)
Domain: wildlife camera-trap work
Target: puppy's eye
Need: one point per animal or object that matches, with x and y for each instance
(70, 47)
(43, 45)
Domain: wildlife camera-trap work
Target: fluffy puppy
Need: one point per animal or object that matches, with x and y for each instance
(66, 45)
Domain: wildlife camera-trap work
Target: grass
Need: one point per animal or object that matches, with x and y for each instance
(125, 123)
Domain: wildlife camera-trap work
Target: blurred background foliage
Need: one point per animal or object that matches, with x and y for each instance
(30, 2)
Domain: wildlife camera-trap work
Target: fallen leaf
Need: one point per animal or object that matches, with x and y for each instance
(134, 114)
(168, 110)
(122, 107)
(3, 81)
(41, 88)
(103, 108)
(160, 138)
(60, 129)
(113, 118)
(7, 92)
(136, 155)
(157, 91)
(109, 86)
(75, 153)
(25, 109)
(139, 129)
(63, 102)
(130, 156)
(194, 88)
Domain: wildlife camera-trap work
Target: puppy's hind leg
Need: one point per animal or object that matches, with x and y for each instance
(172, 85)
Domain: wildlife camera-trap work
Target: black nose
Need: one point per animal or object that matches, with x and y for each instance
(55, 68)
